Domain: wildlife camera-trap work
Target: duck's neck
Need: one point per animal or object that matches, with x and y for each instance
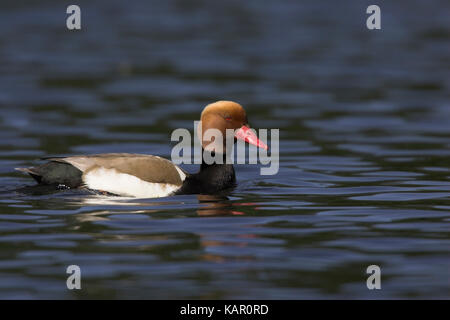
(211, 178)
(212, 155)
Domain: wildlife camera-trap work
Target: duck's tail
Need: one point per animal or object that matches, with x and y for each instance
(31, 171)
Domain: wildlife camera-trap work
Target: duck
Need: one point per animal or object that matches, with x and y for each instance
(150, 176)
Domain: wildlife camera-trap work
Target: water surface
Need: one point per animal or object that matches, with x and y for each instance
(364, 134)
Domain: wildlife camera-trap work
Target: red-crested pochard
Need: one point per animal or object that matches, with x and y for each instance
(148, 176)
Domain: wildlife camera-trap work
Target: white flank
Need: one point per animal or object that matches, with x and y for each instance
(113, 181)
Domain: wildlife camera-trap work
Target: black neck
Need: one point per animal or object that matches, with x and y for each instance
(211, 178)
(205, 166)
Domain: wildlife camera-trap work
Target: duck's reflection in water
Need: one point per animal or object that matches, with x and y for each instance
(216, 249)
(113, 205)
(180, 241)
(215, 205)
(209, 205)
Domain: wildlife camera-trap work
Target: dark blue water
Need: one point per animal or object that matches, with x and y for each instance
(364, 157)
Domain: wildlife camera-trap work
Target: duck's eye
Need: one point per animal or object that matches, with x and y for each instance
(228, 118)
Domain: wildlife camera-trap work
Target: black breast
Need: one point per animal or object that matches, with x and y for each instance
(210, 180)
